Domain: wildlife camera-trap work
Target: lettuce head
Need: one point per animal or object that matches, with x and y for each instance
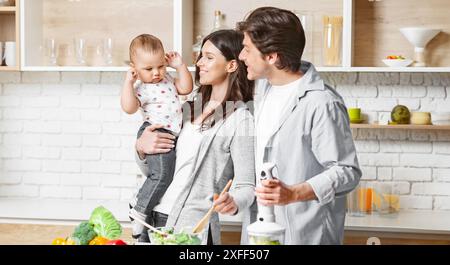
(105, 224)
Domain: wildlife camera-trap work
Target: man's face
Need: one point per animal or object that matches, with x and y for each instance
(257, 65)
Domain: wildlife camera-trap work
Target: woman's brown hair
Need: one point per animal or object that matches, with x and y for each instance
(240, 89)
(275, 30)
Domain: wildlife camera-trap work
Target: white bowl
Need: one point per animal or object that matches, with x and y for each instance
(397, 62)
(440, 118)
(441, 122)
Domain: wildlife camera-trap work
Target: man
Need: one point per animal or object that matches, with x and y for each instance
(302, 126)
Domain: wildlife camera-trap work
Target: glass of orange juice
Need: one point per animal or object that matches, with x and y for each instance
(356, 201)
(385, 198)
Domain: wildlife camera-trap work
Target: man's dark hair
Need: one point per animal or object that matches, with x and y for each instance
(275, 30)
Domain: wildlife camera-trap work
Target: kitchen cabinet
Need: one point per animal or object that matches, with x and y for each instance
(370, 29)
(10, 31)
(377, 34)
(94, 21)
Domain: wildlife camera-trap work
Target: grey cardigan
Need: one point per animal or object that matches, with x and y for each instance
(226, 152)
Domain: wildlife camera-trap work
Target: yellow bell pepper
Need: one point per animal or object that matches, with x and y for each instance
(98, 240)
(59, 241)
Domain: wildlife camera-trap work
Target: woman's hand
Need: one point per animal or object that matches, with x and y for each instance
(225, 204)
(154, 142)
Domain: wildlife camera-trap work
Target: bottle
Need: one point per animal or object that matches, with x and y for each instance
(218, 25)
(196, 48)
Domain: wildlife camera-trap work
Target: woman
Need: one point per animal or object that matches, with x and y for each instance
(215, 145)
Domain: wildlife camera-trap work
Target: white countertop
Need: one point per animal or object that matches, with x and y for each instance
(426, 222)
(69, 211)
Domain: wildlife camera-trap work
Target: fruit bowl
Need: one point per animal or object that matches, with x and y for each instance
(397, 62)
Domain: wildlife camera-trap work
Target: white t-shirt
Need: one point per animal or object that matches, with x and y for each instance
(187, 148)
(160, 103)
(268, 113)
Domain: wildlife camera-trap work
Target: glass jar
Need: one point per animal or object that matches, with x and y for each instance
(307, 20)
(265, 233)
(196, 48)
(385, 198)
(332, 41)
(356, 201)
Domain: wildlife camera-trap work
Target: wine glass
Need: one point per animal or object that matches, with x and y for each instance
(51, 51)
(80, 50)
(108, 50)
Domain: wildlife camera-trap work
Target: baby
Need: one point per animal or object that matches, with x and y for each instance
(151, 89)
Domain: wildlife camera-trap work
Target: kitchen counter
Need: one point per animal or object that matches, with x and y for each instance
(422, 222)
(71, 212)
(418, 222)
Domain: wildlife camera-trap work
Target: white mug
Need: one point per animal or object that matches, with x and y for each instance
(10, 53)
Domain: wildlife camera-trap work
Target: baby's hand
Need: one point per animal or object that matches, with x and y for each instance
(174, 59)
(131, 75)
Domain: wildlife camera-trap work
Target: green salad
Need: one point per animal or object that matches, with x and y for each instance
(174, 238)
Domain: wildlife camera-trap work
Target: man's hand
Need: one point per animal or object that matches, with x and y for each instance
(275, 192)
(225, 204)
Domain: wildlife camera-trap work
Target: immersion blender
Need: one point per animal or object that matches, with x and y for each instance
(265, 231)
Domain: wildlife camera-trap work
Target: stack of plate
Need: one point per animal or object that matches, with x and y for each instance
(440, 118)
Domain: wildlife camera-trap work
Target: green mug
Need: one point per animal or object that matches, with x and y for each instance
(354, 114)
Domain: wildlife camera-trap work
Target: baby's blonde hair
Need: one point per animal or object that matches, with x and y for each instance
(147, 43)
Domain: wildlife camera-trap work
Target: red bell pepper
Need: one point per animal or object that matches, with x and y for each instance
(116, 242)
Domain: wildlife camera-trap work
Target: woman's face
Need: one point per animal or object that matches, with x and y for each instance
(212, 65)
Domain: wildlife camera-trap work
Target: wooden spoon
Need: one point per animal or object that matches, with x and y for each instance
(201, 224)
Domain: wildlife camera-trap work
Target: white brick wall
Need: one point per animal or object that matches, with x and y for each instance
(417, 162)
(64, 136)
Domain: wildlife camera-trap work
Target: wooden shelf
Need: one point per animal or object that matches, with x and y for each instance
(9, 68)
(192, 69)
(86, 69)
(400, 126)
(7, 9)
(386, 69)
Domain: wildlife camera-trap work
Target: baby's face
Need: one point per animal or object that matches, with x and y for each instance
(150, 67)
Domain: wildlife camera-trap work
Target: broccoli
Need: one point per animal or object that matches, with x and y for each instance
(84, 232)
